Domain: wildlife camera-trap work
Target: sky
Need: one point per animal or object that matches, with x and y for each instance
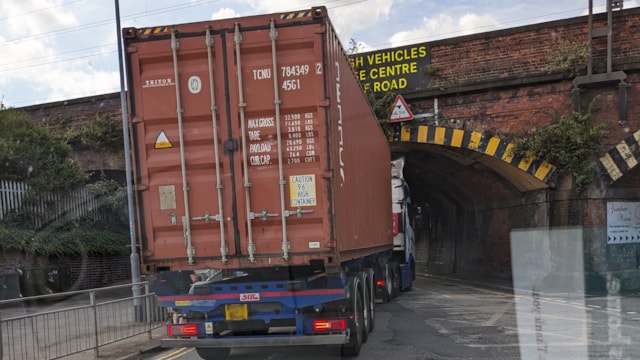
(56, 50)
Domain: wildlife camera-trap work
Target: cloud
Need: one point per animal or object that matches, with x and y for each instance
(444, 26)
(603, 8)
(30, 28)
(346, 16)
(224, 13)
(359, 16)
(34, 17)
(83, 80)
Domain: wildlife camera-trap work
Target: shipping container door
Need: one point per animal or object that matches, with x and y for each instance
(179, 162)
(277, 76)
(230, 144)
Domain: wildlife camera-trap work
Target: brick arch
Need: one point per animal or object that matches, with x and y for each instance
(476, 141)
(620, 159)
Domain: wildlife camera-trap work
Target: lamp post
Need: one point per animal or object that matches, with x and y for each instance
(135, 261)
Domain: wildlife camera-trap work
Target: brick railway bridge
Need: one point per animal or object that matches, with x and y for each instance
(468, 92)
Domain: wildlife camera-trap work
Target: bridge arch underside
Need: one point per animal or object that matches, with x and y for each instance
(469, 203)
(99, 165)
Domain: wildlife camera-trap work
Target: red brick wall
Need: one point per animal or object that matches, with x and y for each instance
(526, 51)
(500, 81)
(77, 112)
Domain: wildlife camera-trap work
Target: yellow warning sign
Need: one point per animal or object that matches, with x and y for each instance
(302, 190)
(400, 111)
(394, 69)
(162, 141)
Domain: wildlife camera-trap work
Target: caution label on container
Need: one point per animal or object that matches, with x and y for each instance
(162, 141)
(302, 190)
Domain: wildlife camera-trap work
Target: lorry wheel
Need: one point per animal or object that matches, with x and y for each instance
(352, 348)
(371, 289)
(388, 284)
(395, 270)
(367, 309)
(213, 353)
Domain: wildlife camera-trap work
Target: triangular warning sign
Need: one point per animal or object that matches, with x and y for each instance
(162, 141)
(400, 111)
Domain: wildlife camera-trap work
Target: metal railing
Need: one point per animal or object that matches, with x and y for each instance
(59, 325)
(76, 204)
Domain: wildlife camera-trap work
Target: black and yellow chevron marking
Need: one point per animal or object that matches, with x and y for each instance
(477, 141)
(295, 15)
(621, 158)
(153, 31)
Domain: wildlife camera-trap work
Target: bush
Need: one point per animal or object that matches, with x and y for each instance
(83, 239)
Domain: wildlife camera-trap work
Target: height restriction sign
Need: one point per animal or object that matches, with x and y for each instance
(400, 111)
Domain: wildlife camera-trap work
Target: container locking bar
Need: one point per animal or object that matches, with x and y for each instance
(298, 212)
(264, 215)
(207, 217)
(224, 250)
(273, 35)
(251, 247)
(185, 187)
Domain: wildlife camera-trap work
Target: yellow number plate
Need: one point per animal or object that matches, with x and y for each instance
(183, 303)
(236, 312)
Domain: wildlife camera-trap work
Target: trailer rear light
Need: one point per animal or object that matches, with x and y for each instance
(182, 330)
(380, 283)
(395, 224)
(329, 325)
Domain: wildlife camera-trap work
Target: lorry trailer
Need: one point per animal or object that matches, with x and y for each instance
(264, 212)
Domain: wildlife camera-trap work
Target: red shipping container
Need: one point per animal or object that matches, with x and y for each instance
(253, 145)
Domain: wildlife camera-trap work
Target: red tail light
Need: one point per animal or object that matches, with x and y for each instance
(380, 283)
(329, 325)
(395, 223)
(182, 330)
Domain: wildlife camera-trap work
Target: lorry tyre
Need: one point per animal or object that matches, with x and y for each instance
(395, 270)
(352, 348)
(371, 289)
(213, 353)
(365, 282)
(388, 284)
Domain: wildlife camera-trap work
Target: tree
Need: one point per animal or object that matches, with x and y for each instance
(102, 134)
(33, 155)
(30, 154)
(572, 143)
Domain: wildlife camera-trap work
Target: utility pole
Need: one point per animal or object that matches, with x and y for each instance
(135, 260)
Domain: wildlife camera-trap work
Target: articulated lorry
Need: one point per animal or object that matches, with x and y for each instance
(262, 178)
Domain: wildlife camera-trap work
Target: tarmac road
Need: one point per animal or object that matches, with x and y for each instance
(409, 328)
(446, 318)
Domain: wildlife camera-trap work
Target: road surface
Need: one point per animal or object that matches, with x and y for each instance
(441, 319)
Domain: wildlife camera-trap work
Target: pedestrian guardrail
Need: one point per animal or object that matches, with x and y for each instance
(54, 326)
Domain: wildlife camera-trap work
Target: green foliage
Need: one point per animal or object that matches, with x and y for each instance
(113, 201)
(571, 143)
(570, 57)
(72, 240)
(381, 106)
(430, 70)
(102, 134)
(30, 154)
(43, 160)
